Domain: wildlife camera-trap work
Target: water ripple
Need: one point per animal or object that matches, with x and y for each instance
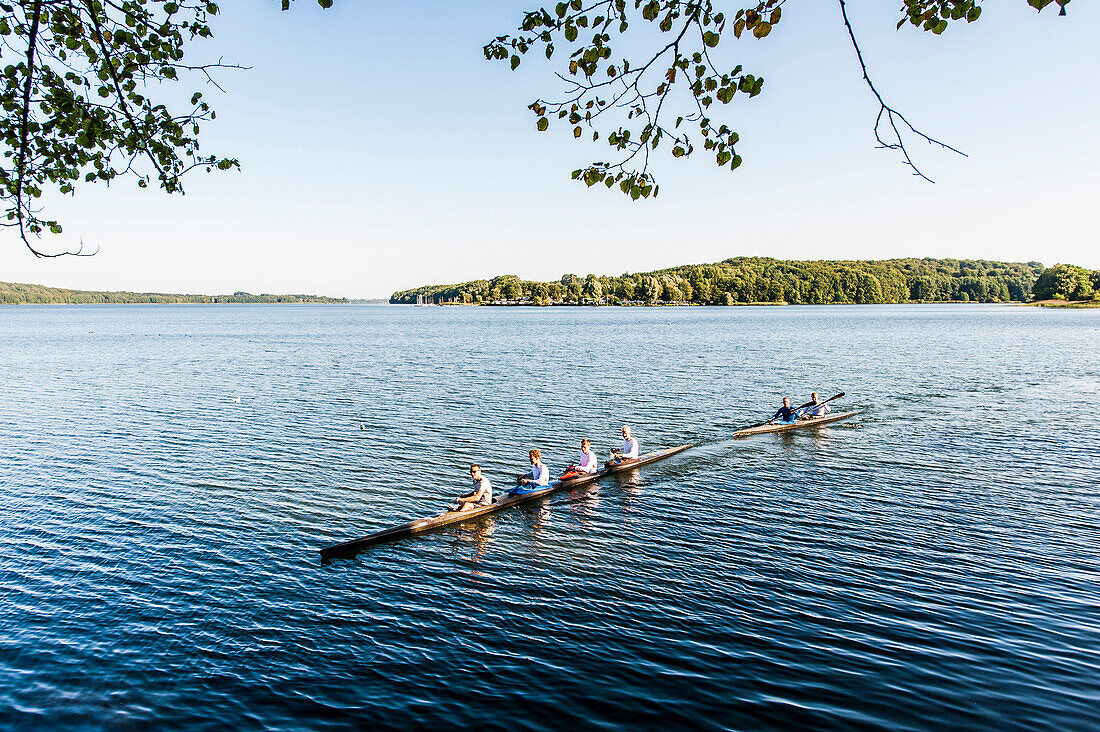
(169, 472)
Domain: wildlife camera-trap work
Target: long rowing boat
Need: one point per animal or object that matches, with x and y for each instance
(813, 422)
(420, 526)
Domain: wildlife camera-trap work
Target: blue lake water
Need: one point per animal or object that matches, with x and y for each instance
(168, 473)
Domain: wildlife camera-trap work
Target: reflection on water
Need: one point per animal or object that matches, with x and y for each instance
(584, 504)
(537, 515)
(543, 516)
(472, 538)
(629, 482)
(819, 437)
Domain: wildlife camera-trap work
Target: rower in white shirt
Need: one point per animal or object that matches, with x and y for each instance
(587, 465)
(816, 407)
(536, 479)
(629, 451)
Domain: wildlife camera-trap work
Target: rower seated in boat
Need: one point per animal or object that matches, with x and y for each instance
(629, 450)
(536, 479)
(785, 414)
(587, 464)
(481, 495)
(816, 408)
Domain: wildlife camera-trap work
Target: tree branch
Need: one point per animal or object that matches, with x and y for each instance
(891, 115)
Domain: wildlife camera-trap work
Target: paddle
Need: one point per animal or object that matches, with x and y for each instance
(812, 404)
(808, 404)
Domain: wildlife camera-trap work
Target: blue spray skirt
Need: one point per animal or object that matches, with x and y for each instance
(521, 490)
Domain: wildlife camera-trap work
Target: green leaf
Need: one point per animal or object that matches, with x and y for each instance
(543, 123)
(711, 38)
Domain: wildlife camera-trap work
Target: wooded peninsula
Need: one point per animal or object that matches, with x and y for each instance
(14, 293)
(762, 280)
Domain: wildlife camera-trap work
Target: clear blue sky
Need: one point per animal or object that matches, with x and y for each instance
(381, 151)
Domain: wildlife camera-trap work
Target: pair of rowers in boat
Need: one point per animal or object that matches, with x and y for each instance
(538, 477)
(789, 415)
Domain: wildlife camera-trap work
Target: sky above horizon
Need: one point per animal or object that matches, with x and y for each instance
(380, 151)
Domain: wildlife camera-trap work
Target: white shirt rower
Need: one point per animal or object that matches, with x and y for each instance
(587, 465)
(630, 447)
(817, 409)
(539, 475)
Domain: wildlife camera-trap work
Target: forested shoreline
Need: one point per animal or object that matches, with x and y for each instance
(760, 280)
(734, 281)
(15, 293)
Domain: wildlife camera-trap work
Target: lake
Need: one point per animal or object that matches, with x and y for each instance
(168, 474)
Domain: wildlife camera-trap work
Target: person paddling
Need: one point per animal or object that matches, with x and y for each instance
(536, 479)
(587, 464)
(816, 408)
(629, 451)
(481, 495)
(785, 414)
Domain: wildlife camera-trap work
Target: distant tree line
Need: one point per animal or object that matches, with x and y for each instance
(13, 293)
(746, 280)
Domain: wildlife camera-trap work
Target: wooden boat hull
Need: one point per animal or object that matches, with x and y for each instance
(421, 526)
(797, 425)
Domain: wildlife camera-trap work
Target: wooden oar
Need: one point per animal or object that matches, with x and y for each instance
(808, 404)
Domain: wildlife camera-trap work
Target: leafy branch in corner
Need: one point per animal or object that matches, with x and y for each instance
(933, 16)
(84, 99)
(635, 106)
(632, 102)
